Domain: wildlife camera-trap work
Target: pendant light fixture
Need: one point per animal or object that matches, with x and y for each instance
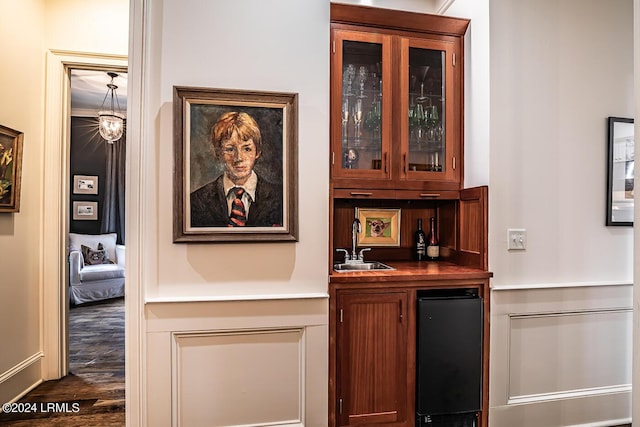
(111, 122)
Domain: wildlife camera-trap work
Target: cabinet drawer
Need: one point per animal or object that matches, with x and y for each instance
(427, 195)
(364, 194)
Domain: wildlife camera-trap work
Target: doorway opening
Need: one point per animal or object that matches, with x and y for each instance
(95, 324)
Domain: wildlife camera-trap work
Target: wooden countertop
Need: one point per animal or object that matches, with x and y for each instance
(406, 271)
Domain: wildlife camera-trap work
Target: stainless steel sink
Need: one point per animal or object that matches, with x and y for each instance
(361, 266)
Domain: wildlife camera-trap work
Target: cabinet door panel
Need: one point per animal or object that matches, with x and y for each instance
(361, 95)
(430, 128)
(372, 367)
(474, 226)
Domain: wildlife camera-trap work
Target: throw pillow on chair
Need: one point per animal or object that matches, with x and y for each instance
(99, 256)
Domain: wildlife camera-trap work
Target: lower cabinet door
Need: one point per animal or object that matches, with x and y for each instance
(371, 358)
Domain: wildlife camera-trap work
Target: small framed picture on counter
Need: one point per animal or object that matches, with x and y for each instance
(380, 227)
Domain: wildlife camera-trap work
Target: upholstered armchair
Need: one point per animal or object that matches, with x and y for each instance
(96, 267)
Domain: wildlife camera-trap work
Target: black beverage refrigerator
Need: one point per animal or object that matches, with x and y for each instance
(449, 358)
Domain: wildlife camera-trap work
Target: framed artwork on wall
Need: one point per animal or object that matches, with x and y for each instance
(621, 171)
(380, 227)
(236, 166)
(85, 211)
(10, 169)
(85, 184)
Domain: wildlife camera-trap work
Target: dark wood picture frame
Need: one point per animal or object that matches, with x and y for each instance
(10, 169)
(620, 171)
(199, 173)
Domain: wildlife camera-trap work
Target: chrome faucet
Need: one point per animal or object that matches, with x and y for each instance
(355, 257)
(356, 228)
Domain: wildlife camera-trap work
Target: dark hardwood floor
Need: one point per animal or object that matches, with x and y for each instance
(93, 393)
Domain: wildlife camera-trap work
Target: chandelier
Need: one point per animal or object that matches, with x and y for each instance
(111, 122)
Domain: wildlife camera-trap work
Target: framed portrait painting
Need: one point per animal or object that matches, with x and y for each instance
(10, 169)
(235, 171)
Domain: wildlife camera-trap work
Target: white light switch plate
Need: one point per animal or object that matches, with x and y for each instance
(516, 239)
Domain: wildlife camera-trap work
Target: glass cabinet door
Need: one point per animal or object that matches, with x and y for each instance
(362, 95)
(428, 127)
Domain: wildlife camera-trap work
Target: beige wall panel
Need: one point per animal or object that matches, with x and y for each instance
(596, 411)
(88, 25)
(536, 341)
(22, 378)
(239, 378)
(22, 82)
(208, 362)
(561, 356)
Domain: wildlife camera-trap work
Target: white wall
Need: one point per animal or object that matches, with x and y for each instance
(70, 25)
(559, 68)
(476, 90)
(88, 26)
(556, 75)
(276, 46)
(22, 82)
(204, 318)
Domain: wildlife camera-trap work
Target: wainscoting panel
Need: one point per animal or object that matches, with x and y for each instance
(267, 370)
(536, 340)
(561, 356)
(22, 378)
(237, 363)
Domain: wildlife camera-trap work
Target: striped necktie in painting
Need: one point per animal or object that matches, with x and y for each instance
(238, 215)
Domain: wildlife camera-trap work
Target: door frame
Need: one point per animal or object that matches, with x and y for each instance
(55, 224)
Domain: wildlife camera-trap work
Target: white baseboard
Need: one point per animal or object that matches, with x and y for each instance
(21, 378)
(20, 366)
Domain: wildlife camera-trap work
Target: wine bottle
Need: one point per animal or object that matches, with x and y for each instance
(419, 243)
(433, 247)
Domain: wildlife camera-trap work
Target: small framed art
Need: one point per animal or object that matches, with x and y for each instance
(380, 227)
(10, 169)
(85, 211)
(620, 167)
(85, 184)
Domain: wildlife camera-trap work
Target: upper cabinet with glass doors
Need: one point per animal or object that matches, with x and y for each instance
(396, 99)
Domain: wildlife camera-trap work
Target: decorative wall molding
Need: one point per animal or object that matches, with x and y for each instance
(528, 286)
(572, 394)
(36, 357)
(263, 367)
(561, 356)
(444, 6)
(215, 298)
(21, 378)
(282, 344)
